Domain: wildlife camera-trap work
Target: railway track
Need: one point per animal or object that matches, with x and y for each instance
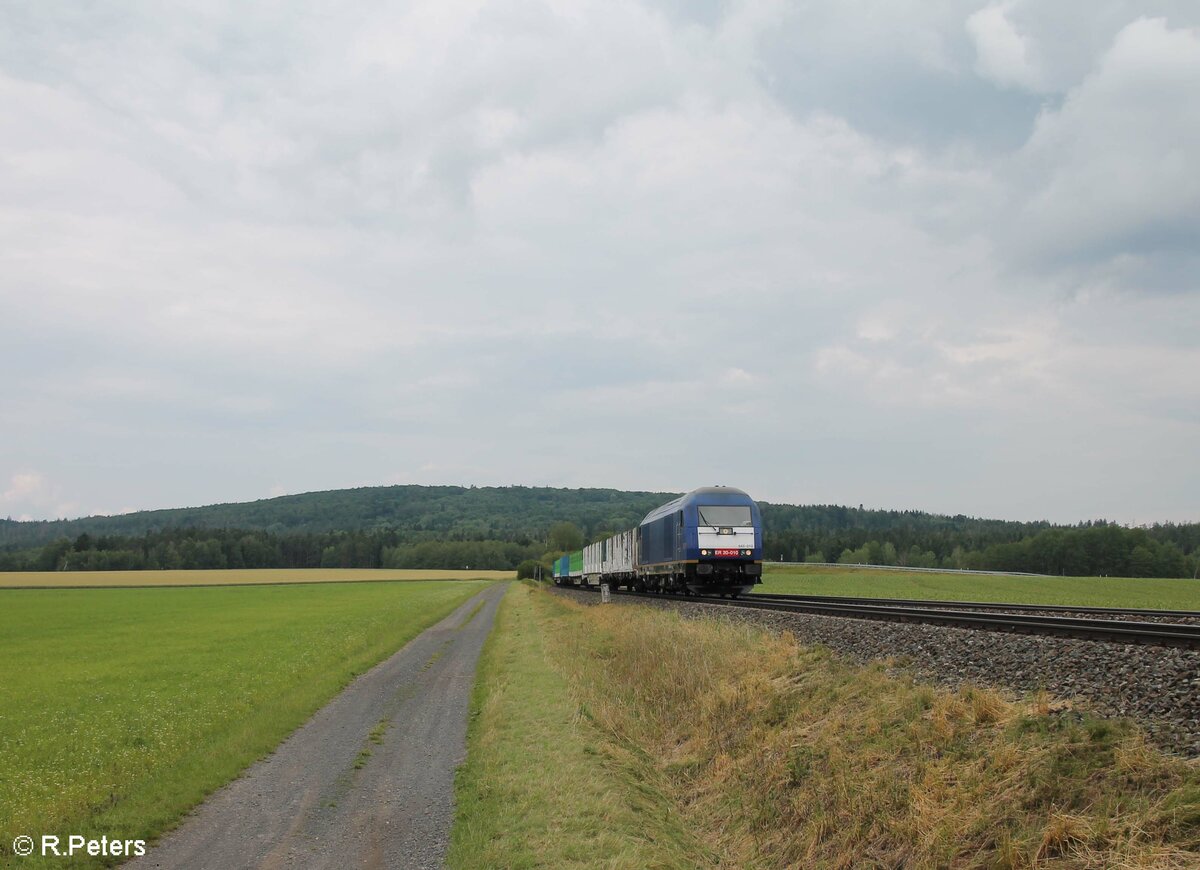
(984, 617)
(986, 606)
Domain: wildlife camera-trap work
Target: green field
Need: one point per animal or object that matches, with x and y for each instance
(232, 577)
(1162, 593)
(121, 708)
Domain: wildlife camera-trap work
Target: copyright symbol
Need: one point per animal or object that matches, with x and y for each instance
(23, 845)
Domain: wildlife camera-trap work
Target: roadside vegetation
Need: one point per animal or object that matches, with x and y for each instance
(1158, 593)
(122, 708)
(763, 753)
(536, 789)
(228, 577)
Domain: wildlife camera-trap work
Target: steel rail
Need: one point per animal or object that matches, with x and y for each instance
(1113, 631)
(979, 605)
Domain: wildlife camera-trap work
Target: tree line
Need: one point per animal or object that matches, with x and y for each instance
(183, 549)
(501, 527)
(1088, 550)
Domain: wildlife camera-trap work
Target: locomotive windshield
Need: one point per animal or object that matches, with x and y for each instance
(724, 515)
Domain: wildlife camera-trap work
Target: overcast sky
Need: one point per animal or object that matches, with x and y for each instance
(935, 255)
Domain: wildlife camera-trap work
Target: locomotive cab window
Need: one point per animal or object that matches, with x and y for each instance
(724, 515)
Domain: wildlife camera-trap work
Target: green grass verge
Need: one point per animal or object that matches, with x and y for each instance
(536, 791)
(1159, 593)
(120, 709)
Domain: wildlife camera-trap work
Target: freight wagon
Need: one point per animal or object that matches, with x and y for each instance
(568, 570)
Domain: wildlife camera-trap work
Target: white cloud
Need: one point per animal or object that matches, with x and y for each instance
(24, 486)
(1004, 55)
(31, 495)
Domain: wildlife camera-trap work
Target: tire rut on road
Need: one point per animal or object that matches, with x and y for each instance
(367, 782)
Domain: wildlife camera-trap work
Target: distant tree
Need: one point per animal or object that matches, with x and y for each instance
(565, 536)
(918, 558)
(1169, 561)
(1141, 562)
(52, 555)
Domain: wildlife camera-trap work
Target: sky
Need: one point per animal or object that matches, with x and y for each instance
(913, 255)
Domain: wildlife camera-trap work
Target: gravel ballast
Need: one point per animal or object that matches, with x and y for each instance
(1157, 686)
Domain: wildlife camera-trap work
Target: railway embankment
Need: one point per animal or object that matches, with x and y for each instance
(773, 751)
(1159, 687)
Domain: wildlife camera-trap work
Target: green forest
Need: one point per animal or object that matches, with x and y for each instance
(505, 527)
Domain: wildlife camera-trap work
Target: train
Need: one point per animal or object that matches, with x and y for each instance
(706, 542)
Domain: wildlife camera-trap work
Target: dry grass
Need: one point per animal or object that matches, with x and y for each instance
(784, 756)
(247, 577)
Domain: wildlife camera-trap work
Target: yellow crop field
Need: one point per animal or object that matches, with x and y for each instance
(251, 577)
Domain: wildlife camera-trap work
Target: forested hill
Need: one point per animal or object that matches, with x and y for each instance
(416, 512)
(508, 513)
(500, 527)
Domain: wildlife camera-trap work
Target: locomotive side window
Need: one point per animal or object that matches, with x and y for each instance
(724, 515)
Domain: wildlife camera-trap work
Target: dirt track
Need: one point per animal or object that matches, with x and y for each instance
(347, 790)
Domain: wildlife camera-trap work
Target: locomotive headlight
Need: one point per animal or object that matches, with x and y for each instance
(745, 552)
(704, 552)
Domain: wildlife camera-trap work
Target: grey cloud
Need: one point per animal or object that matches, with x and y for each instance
(803, 249)
(1109, 175)
(902, 72)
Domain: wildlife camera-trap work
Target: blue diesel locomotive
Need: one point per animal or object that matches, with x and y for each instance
(707, 542)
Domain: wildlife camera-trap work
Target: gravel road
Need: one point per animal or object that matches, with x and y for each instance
(367, 782)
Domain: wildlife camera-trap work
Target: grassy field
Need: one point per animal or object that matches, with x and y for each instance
(249, 577)
(121, 708)
(739, 748)
(1163, 593)
(534, 791)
